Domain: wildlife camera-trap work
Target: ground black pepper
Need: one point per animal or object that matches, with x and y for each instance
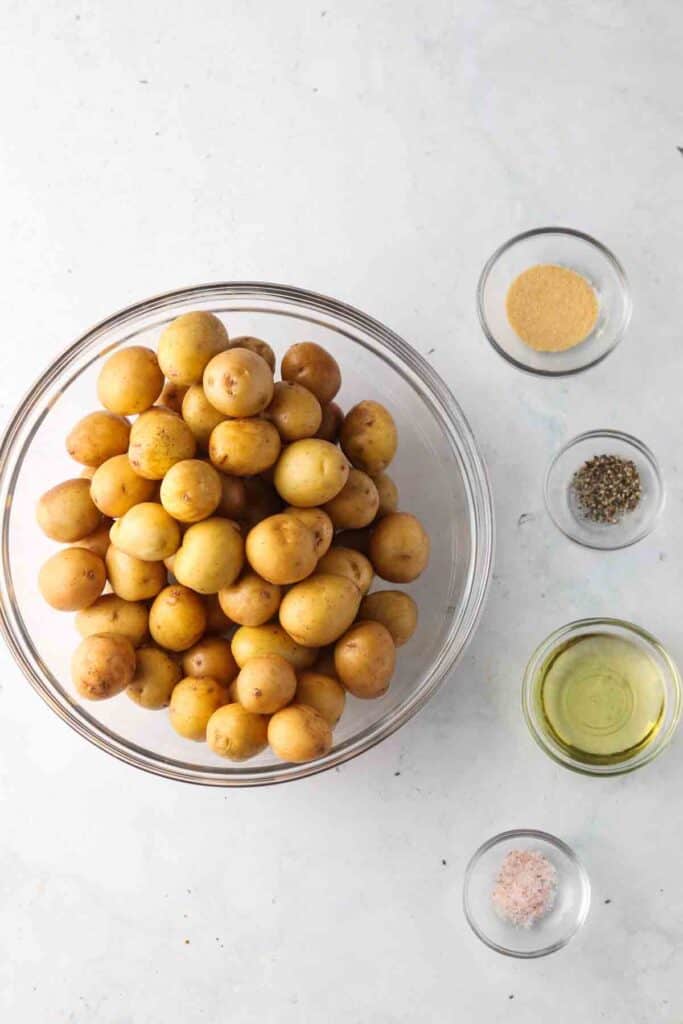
(606, 487)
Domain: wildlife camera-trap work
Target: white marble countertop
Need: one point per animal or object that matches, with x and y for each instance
(377, 152)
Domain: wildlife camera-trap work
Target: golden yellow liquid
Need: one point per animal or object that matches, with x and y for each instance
(602, 698)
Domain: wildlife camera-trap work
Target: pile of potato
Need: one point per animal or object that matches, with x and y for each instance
(239, 523)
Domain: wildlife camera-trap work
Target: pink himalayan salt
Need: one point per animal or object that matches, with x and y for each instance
(525, 887)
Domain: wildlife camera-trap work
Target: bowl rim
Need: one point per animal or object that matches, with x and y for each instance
(432, 390)
(574, 233)
(578, 626)
(631, 441)
(551, 840)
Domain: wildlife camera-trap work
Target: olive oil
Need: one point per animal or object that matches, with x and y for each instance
(602, 698)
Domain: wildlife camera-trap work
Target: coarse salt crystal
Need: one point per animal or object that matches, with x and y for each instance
(525, 887)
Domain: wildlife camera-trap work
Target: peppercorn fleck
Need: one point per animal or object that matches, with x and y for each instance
(607, 487)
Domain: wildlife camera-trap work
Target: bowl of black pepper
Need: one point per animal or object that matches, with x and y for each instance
(604, 489)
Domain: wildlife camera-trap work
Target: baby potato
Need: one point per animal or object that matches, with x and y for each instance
(251, 600)
(236, 734)
(172, 396)
(399, 548)
(72, 579)
(395, 610)
(233, 501)
(294, 410)
(193, 702)
(365, 658)
(156, 675)
(346, 562)
(316, 612)
(116, 487)
(191, 491)
(159, 439)
(388, 495)
(254, 641)
(299, 733)
(318, 522)
(132, 578)
(331, 422)
(356, 504)
(244, 447)
(238, 382)
(211, 555)
(310, 365)
(146, 531)
(212, 657)
(200, 415)
(281, 549)
(177, 619)
(98, 437)
(357, 540)
(310, 472)
(324, 664)
(265, 684)
(98, 541)
(188, 344)
(66, 512)
(216, 619)
(102, 666)
(130, 381)
(323, 693)
(257, 345)
(369, 437)
(111, 614)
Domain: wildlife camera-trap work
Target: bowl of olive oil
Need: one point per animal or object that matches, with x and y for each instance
(602, 696)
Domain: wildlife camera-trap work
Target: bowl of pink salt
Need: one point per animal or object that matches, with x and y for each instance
(526, 893)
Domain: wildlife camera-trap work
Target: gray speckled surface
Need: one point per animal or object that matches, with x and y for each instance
(377, 152)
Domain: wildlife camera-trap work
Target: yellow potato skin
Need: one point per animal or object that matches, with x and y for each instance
(294, 411)
(281, 549)
(172, 396)
(147, 532)
(357, 503)
(399, 548)
(132, 578)
(236, 734)
(191, 491)
(98, 541)
(116, 487)
(238, 383)
(188, 344)
(193, 702)
(200, 415)
(212, 657)
(244, 447)
(331, 423)
(323, 693)
(251, 600)
(310, 473)
(313, 367)
(369, 437)
(265, 684)
(318, 522)
(156, 675)
(354, 565)
(111, 614)
(299, 733)
(365, 658)
(388, 494)
(98, 437)
(130, 381)
(66, 512)
(211, 555)
(257, 345)
(177, 618)
(102, 666)
(72, 579)
(316, 612)
(158, 439)
(394, 609)
(255, 641)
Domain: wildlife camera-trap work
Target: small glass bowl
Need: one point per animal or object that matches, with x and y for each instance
(561, 503)
(560, 247)
(533, 711)
(560, 924)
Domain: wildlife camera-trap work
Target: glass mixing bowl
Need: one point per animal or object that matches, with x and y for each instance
(438, 469)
